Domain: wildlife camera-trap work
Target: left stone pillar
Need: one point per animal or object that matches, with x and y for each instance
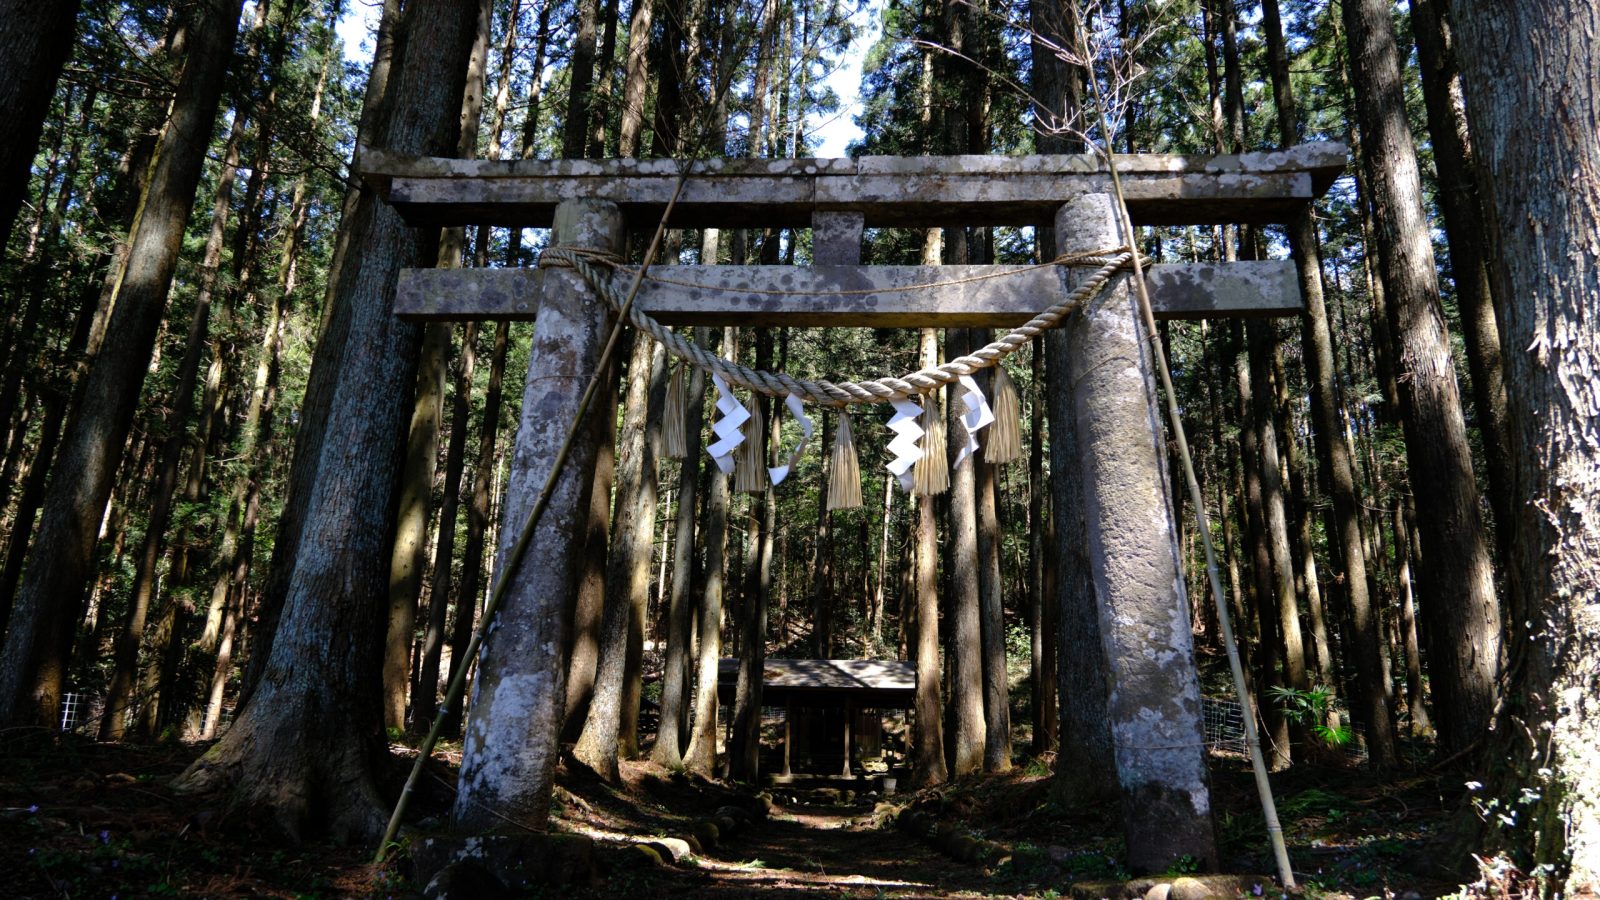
(513, 732)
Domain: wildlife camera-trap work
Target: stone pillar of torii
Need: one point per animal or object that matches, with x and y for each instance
(1126, 516)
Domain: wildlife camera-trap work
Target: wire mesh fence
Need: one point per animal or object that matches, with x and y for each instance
(1224, 729)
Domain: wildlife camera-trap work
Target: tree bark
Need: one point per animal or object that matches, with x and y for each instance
(1457, 196)
(628, 573)
(702, 758)
(675, 675)
(1458, 601)
(744, 750)
(1333, 451)
(1283, 599)
(1263, 606)
(34, 670)
(996, 683)
(306, 746)
(928, 763)
(583, 651)
(332, 332)
(409, 557)
(966, 688)
(425, 701)
(35, 41)
(120, 690)
(1533, 99)
(580, 73)
(483, 476)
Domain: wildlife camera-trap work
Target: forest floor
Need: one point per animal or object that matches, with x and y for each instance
(82, 819)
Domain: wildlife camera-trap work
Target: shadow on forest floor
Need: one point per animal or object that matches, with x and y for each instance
(84, 819)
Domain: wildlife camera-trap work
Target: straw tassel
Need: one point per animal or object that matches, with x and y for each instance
(932, 471)
(675, 417)
(844, 485)
(750, 474)
(1004, 442)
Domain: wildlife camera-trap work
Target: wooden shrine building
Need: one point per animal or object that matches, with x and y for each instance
(832, 708)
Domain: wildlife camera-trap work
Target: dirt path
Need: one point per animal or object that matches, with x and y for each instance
(829, 850)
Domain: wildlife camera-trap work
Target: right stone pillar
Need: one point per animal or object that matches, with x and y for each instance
(1153, 691)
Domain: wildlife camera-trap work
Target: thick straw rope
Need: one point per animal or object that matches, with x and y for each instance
(593, 268)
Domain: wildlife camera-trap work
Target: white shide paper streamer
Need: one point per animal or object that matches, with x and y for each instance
(977, 416)
(734, 415)
(798, 410)
(907, 415)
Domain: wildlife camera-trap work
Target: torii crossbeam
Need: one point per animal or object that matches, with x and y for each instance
(1106, 412)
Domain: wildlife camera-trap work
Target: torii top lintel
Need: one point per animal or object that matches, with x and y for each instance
(1161, 188)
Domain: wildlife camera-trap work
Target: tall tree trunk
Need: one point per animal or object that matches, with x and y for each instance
(1534, 101)
(121, 688)
(1282, 599)
(1263, 598)
(628, 572)
(332, 333)
(583, 655)
(1041, 603)
(675, 674)
(1458, 598)
(472, 549)
(966, 690)
(928, 763)
(996, 683)
(1333, 450)
(744, 750)
(306, 747)
(409, 557)
(1421, 723)
(634, 81)
(1458, 200)
(409, 551)
(702, 757)
(35, 41)
(34, 670)
(580, 74)
(425, 701)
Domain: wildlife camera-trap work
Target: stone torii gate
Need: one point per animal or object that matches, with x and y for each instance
(1153, 702)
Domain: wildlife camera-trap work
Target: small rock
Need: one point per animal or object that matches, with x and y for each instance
(728, 826)
(738, 814)
(916, 822)
(763, 805)
(1189, 889)
(674, 850)
(465, 879)
(643, 856)
(694, 844)
(1161, 891)
(708, 833)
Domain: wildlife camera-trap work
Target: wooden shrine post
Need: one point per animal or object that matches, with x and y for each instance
(509, 753)
(1153, 696)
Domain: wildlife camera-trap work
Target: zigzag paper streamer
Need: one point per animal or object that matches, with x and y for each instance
(734, 415)
(798, 410)
(904, 446)
(977, 416)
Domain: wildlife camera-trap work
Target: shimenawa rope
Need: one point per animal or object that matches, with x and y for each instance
(592, 267)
